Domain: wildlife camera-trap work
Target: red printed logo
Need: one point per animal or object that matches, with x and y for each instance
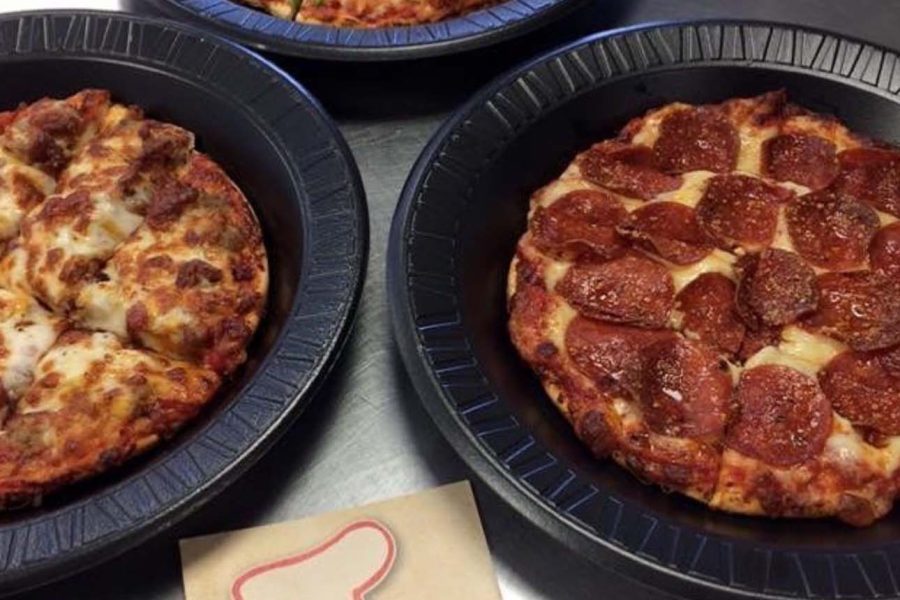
(346, 566)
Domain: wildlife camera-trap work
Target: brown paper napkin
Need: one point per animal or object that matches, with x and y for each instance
(427, 545)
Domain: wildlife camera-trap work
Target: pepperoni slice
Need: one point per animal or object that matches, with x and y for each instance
(737, 210)
(873, 176)
(669, 230)
(775, 287)
(580, 225)
(831, 230)
(627, 169)
(756, 340)
(707, 306)
(610, 354)
(890, 360)
(696, 139)
(685, 390)
(783, 417)
(632, 290)
(860, 308)
(805, 159)
(885, 250)
(863, 391)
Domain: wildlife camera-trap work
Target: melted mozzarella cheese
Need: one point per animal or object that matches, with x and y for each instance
(885, 218)
(752, 141)
(692, 188)
(718, 261)
(782, 239)
(101, 306)
(554, 271)
(799, 349)
(27, 331)
(558, 323)
(11, 204)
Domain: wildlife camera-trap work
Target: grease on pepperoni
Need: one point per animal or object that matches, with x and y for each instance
(610, 355)
(708, 309)
(775, 288)
(863, 391)
(738, 210)
(580, 225)
(669, 230)
(783, 418)
(884, 252)
(831, 230)
(686, 390)
(873, 176)
(804, 159)
(626, 168)
(631, 290)
(859, 308)
(696, 139)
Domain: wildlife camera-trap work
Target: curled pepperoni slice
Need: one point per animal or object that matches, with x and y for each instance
(885, 250)
(860, 308)
(669, 230)
(873, 176)
(831, 230)
(775, 287)
(737, 210)
(805, 159)
(580, 225)
(707, 306)
(863, 391)
(610, 354)
(627, 169)
(783, 418)
(696, 139)
(686, 390)
(632, 290)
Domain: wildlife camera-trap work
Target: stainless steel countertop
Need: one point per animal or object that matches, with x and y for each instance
(366, 437)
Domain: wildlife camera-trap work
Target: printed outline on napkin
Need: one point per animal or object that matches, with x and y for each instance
(348, 534)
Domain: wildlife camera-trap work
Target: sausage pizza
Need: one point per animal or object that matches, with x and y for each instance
(132, 276)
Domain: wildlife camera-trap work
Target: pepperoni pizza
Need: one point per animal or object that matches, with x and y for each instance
(132, 275)
(712, 299)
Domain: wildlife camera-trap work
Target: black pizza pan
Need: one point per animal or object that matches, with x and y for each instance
(464, 207)
(259, 30)
(279, 146)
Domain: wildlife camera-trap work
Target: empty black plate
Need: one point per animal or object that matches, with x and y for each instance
(260, 30)
(284, 152)
(455, 231)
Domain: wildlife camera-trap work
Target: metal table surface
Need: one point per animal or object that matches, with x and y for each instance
(366, 436)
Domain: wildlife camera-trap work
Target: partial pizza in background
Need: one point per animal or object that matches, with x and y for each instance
(368, 13)
(132, 276)
(712, 299)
